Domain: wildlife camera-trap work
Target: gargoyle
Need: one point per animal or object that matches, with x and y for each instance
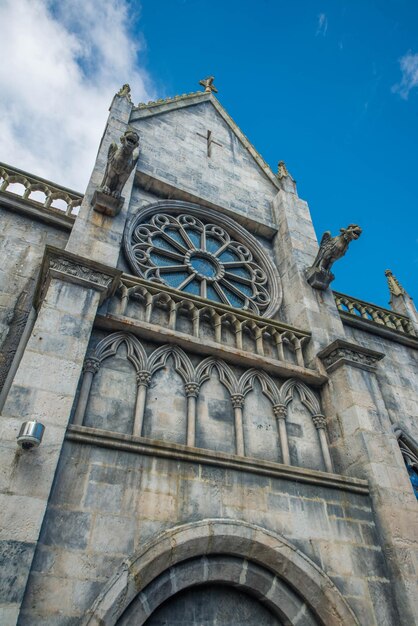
(331, 249)
(120, 163)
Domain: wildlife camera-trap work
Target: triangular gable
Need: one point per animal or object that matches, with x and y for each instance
(158, 107)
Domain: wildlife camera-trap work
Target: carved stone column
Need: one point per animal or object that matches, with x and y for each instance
(320, 424)
(280, 411)
(192, 391)
(91, 367)
(238, 404)
(143, 379)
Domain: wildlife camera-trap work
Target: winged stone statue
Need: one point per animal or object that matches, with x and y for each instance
(121, 160)
(120, 163)
(331, 249)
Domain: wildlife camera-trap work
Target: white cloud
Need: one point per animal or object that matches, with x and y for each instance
(61, 64)
(322, 25)
(409, 79)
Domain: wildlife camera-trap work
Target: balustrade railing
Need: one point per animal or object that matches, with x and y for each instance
(42, 192)
(268, 337)
(373, 313)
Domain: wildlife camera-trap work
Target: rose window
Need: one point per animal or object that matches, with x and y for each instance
(198, 258)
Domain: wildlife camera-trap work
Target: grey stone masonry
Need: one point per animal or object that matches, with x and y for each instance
(43, 389)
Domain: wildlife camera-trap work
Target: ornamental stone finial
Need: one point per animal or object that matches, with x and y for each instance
(207, 83)
(125, 92)
(395, 287)
(319, 275)
(282, 171)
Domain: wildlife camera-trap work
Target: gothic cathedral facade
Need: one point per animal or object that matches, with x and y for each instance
(227, 441)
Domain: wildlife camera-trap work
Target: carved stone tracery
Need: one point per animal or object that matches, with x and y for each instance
(203, 253)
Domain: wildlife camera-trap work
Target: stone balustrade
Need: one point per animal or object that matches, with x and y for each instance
(373, 313)
(40, 191)
(268, 337)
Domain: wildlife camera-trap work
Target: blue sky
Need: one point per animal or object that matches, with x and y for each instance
(313, 83)
(329, 86)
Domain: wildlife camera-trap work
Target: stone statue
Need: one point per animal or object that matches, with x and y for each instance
(120, 163)
(319, 275)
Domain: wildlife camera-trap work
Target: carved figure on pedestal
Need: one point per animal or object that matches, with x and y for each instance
(120, 163)
(319, 275)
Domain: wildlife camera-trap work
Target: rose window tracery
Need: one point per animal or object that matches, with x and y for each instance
(203, 259)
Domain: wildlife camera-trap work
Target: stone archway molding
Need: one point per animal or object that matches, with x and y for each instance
(217, 537)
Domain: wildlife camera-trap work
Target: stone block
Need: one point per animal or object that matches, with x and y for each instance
(113, 535)
(15, 559)
(67, 529)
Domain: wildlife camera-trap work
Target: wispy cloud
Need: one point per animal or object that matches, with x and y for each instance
(61, 64)
(409, 79)
(322, 25)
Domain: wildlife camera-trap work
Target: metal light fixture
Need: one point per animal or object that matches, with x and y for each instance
(30, 435)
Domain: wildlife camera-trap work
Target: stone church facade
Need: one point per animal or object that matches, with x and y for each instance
(227, 440)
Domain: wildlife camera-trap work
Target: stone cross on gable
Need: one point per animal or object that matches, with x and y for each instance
(209, 141)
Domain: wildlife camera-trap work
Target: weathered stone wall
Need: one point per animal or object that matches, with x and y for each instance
(173, 151)
(22, 243)
(397, 377)
(105, 504)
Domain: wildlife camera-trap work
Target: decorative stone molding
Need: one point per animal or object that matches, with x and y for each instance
(71, 268)
(342, 352)
(192, 389)
(143, 378)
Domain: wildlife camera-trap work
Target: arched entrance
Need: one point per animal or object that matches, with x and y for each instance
(211, 557)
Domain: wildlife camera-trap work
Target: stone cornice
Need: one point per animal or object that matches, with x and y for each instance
(341, 352)
(74, 269)
(179, 452)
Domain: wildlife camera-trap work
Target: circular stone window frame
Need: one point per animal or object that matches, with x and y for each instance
(235, 230)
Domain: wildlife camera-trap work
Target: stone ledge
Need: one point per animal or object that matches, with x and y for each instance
(341, 352)
(179, 452)
(228, 353)
(72, 268)
(165, 190)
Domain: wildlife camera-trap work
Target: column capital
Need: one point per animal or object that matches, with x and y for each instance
(91, 364)
(237, 400)
(319, 421)
(143, 378)
(341, 352)
(280, 411)
(192, 389)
